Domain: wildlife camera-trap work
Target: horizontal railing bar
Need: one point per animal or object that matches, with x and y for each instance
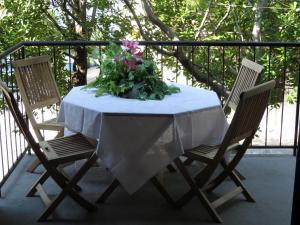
(11, 50)
(170, 43)
(272, 146)
(149, 43)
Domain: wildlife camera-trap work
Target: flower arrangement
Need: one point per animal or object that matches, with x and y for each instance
(125, 73)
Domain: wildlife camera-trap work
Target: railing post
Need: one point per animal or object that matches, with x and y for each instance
(296, 137)
(23, 52)
(296, 196)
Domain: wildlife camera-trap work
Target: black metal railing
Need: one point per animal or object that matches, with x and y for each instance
(180, 61)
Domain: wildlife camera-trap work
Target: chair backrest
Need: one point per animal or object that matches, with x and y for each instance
(15, 111)
(248, 115)
(246, 79)
(37, 86)
(36, 81)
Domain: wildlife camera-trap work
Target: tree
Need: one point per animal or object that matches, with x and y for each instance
(197, 20)
(63, 20)
(24, 20)
(212, 20)
(73, 22)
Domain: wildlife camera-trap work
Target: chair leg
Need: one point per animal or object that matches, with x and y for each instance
(41, 180)
(33, 165)
(52, 206)
(36, 162)
(60, 133)
(216, 181)
(73, 182)
(185, 198)
(228, 171)
(238, 183)
(188, 161)
(68, 188)
(67, 177)
(198, 192)
(82, 201)
(241, 176)
(171, 168)
(108, 191)
(228, 168)
(162, 191)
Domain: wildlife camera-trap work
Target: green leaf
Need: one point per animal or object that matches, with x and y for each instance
(119, 79)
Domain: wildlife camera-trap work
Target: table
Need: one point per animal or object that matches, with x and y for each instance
(139, 138)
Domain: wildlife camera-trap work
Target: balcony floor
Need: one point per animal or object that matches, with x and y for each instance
(269, 179)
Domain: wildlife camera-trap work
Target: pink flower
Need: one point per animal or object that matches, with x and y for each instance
(138, 56)
(131, 64)
(132, 45)
(116, 58)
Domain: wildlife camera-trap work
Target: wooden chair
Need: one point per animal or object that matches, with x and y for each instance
(246, 78)
(38, 89)
(244, 124)
(55, 152)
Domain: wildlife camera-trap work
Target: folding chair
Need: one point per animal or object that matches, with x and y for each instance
(55, 152)
(244, 124)
(38, 89)
(246, 78)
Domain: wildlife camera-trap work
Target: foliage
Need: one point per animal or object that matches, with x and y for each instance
(198, 20)
(126, 73)
(234, 20)
(25, 20)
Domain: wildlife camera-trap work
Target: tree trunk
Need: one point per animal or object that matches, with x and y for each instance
(79, 76)
(256, 32)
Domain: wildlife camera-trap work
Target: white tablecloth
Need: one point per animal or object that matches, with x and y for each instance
(139, 138)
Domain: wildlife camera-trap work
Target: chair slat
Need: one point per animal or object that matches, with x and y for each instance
(246, 79)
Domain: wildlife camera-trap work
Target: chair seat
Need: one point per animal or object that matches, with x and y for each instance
(51, 124)
(206, 153)
(67, 149)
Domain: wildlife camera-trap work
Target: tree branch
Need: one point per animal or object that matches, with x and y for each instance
(198, 34)
(131, 9)
(223, 18)
(65, 8)
(143, 33)
(179, 52)
(93, 17)
(236, 20)
(93, 20)
(59, 28)
(155, 20)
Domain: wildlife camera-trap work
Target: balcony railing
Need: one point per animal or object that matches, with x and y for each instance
(181, 62)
